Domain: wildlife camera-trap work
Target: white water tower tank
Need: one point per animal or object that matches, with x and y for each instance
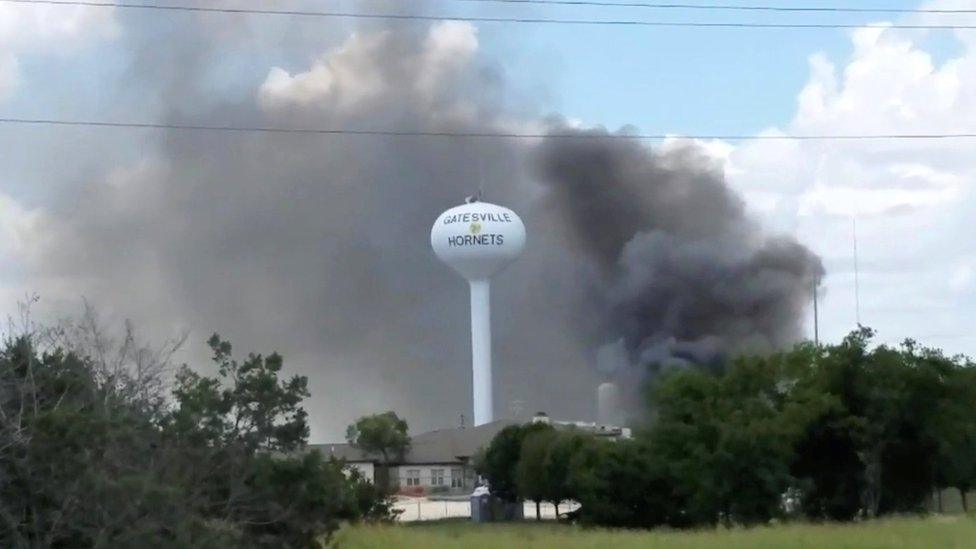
(478, 240)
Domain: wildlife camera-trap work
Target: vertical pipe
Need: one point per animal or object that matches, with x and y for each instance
(481, 351)
(816, 314)
(857, 283)
(607, 404)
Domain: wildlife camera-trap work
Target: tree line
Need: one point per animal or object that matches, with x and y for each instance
(833, 432)
(102, 445)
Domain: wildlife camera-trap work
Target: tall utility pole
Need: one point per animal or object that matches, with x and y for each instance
(857, 285)
(816, 313)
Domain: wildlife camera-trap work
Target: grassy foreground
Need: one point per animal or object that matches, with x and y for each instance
(941, 532)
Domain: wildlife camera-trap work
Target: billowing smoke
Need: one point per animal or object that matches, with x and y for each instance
(317, 246)
(680, 275)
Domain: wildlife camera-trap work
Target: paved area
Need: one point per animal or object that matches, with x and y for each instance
(414, 509)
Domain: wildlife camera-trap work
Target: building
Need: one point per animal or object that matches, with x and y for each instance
(441, 461)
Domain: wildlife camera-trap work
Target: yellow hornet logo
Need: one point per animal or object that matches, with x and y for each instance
(475, 228)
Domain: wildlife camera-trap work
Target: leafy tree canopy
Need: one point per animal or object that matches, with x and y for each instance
(384, 434)
(499, 462)
(92, 453)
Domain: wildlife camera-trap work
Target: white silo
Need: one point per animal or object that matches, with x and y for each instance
(478, 240)
(608, 408)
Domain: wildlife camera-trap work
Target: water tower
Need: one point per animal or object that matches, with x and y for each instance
(478, 239)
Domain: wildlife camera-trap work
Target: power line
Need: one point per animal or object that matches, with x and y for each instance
(583, 134)
(724, 7)
(486, 19)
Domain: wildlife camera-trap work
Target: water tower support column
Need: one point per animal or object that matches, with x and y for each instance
(481, 351)
(478, 240)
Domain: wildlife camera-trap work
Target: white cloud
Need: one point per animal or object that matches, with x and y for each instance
(912, 199)
(345, 76)
(359, 72)
(16, 227)
(49, 30)
(54, 26)
(713, 148)
(963, 276)
(9, 74)
(449, 47)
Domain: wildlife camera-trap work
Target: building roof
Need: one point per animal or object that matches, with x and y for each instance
(344, 451)
(455, 445)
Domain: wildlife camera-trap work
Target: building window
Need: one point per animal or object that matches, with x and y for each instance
(437, 477)
(413, 477)
(457, 478)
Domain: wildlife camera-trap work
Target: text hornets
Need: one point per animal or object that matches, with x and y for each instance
(476, 239)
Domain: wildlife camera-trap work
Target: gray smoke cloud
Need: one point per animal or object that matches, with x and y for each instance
(317, 246)
(679, 274)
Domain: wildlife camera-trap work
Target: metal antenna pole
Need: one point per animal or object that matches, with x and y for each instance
(481, 177)
(480, 194)
(857, 283)
(816, 314)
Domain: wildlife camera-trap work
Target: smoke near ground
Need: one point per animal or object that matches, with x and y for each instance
(680, 275)
(317, 246)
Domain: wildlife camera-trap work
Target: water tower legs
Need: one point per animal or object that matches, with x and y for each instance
(481, 351)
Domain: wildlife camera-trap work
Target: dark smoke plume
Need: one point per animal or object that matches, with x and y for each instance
(317, 246)
(680, 275)
(680, 271)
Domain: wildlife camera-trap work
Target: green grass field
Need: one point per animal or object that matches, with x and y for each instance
(938, 532)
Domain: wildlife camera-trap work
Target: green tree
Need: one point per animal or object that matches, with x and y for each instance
(873, 451)
(295, 500)
(499, 462)
(91, 454)
(828, 459)
(910, 458)
(562, 449)
(728, 439)
(624, 484)
(243, 429)
(384, 434)
(81, 462)
(245, 405)
(954, 429)
(531, 475)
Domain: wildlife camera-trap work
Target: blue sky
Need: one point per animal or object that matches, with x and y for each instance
(681, 80)
(686, 80)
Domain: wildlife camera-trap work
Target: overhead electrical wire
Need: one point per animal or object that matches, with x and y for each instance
(722, 7)
(489, 19)
(466, 134)
(478, 134)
